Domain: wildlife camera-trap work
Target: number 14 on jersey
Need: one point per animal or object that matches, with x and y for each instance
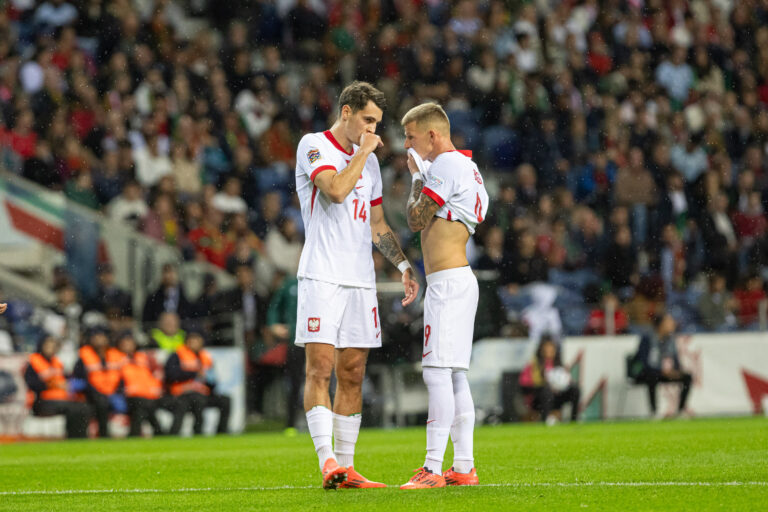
(360, 213)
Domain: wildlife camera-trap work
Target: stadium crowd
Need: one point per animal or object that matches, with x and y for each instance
(625, 143)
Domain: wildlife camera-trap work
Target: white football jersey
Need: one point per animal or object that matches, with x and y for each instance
(338, 241)
(454, 182)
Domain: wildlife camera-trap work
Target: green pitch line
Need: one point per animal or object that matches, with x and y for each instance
(679, 465)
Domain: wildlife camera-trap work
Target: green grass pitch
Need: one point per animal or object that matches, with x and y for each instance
(716, 464)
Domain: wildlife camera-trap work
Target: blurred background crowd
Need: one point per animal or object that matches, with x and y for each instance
(625, 145)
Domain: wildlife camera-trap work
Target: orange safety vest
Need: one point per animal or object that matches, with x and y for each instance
(52, 373)
(138, 378)
(104, 377)
(191, 362)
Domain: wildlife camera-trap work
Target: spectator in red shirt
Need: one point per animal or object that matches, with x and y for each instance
(749, 297)
(596, 323)
(23, 138)
(209, 241)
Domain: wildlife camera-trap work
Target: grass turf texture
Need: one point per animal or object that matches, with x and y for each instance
(721, 464)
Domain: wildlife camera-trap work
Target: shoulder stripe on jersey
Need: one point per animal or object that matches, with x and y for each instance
(335, 142)
(431, 193)
(321, 169)
(376, 202)
(465, 152)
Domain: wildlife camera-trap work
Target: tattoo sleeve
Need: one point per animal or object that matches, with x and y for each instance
(388, 246)
(421, 208)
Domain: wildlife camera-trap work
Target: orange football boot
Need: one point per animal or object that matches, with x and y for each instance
(454, 478)
(333, 474)
(357, 481)
(424, 479)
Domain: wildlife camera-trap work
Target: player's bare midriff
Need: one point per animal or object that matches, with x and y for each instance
(444, 244)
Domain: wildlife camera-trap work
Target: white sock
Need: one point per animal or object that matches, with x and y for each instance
(320, 423)
(441, 411)
(345, 432)
(463, 427)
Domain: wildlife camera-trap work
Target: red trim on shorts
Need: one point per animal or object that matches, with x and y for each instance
(376, 202)
(449, 215)
(335, 142)
(431, 193)
(319, 170)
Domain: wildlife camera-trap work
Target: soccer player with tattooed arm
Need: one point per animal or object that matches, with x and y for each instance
(447, 201)
(338, 182)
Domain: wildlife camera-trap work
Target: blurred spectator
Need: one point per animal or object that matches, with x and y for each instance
(283, 246)
(597, 323)
(547, 384)
(44, 376)
(80, 190)
(168, 334)
(525, 265)
(230, 200)
(109, 296)
(270, 214)
(151, 164)
(191, 380)
(143, 391)
(245, 300)
(656, 361)
(542, 317)
(281, 321)
(129, 206)
(209, 241)
(186, 171)
(168, 297)
(98, 377)
(162, 222)
(621, 260)
(749, 295)
(69, 311)
(716, 308)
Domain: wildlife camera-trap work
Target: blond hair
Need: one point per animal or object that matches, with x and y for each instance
(428, 115)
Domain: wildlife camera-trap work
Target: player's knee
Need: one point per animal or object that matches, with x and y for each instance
(350, 377)
(319, 372)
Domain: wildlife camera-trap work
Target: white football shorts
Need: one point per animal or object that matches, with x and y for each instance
(342, 316)
(450, 305)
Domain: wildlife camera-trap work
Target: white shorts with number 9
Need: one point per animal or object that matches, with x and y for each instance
(450, 305)
(342, 316)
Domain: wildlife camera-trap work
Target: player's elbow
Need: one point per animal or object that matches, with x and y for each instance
(335, 195)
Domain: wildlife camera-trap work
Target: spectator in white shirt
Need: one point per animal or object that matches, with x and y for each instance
(151, 164)
(129, 206)
(230, 199)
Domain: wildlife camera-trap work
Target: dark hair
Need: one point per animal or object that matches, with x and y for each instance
(358, 94)
(548, 338)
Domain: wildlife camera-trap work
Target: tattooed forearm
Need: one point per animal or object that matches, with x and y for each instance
(415, 192)
(388, 246)
(421, 208)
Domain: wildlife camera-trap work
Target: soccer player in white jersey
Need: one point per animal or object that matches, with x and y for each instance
(339, 186)
(447, 201)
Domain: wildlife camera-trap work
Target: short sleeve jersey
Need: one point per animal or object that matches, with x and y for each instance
(454, 182)
(338, 247)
